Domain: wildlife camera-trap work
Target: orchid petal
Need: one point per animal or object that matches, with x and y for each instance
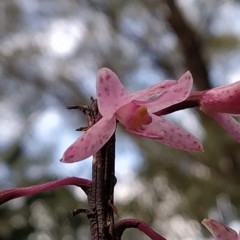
(228, 123)
(224, 99)
(152, 92)
(169, 134)
(220, 231)
(111, 94)
(9, 194)
(92, 140)
(175, 94)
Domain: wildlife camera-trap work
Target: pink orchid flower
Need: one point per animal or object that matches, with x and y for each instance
(135, 112)
(222, 102)
(220, 231)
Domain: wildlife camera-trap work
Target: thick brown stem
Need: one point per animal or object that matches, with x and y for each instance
(100, 197)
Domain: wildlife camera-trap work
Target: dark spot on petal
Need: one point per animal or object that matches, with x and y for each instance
(106, 90)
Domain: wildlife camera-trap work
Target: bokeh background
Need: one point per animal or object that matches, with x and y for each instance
(50, 52)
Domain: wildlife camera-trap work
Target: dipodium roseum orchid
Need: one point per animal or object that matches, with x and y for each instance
(222, 102)
(135, 112)
(220, 231)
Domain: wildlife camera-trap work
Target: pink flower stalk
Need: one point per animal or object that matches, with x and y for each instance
(122, 225)
(13, 193)
(135, 112)
(222, 102)
(220, 231)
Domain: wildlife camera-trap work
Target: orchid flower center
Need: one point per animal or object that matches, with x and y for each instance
(140, 117)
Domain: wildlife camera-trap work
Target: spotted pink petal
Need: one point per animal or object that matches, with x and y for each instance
(169, 134)
(172, 95)
(220, 231)
(152, 92)
(224, 99)
(228, 123)
(92, 140)
(13, 193)
(111, 94)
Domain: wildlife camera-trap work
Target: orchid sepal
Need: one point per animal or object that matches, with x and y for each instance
(91, 141)
(170, 134)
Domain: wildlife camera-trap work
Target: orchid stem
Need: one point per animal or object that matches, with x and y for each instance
(100, 197)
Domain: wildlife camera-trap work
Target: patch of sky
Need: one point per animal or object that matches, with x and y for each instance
(144, 76)
(101, 39)
(128, 188)
(233, 73)
(128, 155)
(235, 225)
(9, 120)
(36, 14)
(167, 42)
(4, 175)
(132, 22)
(225, 69)
(196, 11)
(64, 36)
(226, 19)
(47, 125)
(127, 48)
(86, 77)
(233, 77)
(11, 43)
(186, 228)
